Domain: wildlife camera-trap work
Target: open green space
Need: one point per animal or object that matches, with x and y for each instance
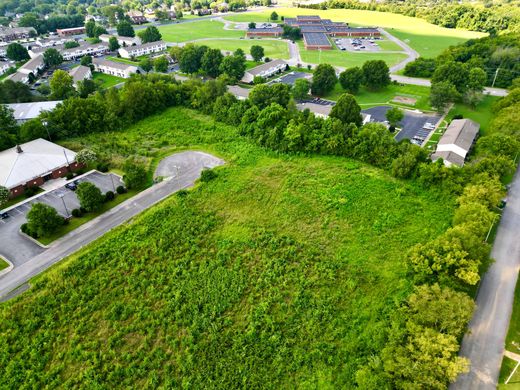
(367, 98)
(482, 113)
(387, 45)
(107, 80)
(272, 48)
(346, 59)
(76, 222)
(122, 60)
(282, 272)
(428, 39)
(183, 32)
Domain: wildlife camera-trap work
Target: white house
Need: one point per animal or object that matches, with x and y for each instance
(123, 41)
(240, 93)
(80, 73)
(23, 112)
(114, 68)
(84, 49)
(141, 50)
(264, 70)
(456, 142)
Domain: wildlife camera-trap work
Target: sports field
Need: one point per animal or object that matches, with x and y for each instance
(272, 48)
(346, 59)
(183, 32)
(428, 39)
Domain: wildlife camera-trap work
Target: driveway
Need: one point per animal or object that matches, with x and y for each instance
(19, 249)
(190, 165)
(484, 342)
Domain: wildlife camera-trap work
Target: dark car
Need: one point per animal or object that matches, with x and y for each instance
(4, 216)
(71, 186)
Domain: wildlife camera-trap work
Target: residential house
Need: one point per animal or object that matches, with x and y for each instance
(114, 68)
(136, 17)
(456, 142)
(24, 112)
(123, 41)
(80, 73)
(265, 70)
(140, 50)
(5, 66)
(9, 34)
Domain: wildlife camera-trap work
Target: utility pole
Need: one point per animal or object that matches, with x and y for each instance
(64, 205)
(495, 78)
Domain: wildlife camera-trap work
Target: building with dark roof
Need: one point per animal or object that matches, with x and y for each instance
(316, 41)
(264, 32)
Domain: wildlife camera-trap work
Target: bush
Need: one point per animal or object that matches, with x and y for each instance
(25, 229)
(89, 196)
(109, 195)
(69, 176)
(182, 193)
(77, 213)
(102, 167)
(83, 210)
(267, 59)
(458, 116)
(31, 191)
(43, 219)
(207, 175)
(135, 174)
(121, 190)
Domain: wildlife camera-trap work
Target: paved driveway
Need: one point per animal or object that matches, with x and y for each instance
(484, 342)
(190, 165)
(19, 249)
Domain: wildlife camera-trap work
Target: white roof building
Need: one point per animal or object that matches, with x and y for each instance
(80, 73)
(32, 160)
(264, 70)
(456, 142)
(114, 68)
(123, 41)
(141, 50)
(26, 111)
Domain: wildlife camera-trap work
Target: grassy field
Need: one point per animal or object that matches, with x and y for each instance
(272, 48)
(281, 273)
(123, 60)
(183, 32)
(428, 39)
(346, 59)
(482, 113)
(107, 79)
(367, 99)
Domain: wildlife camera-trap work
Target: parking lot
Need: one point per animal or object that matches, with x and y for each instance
(415, 126)
(17, 248)
(290, 78)
(357, 44)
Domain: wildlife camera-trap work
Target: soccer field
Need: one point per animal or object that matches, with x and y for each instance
(428, 39)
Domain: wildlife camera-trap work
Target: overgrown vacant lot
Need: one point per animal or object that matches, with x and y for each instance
(282, 271)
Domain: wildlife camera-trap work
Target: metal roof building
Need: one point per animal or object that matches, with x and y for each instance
(26, 111)
(456, 142)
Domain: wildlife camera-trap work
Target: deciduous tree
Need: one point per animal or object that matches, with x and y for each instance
(125, 29)
(347, 110)
(324, 79)
(61, 85)
(89, 196)
(43, 219)
(257, 52)
(17, 52)
(351, 79)
(376, 74)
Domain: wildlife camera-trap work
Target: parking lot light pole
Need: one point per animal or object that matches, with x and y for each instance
(64, 205)
(112, 180)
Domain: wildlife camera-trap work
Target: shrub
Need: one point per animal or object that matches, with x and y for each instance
(43, 220)
(89, 196)
(82, 209)
(69, 176)
(109, 195)
(31, 191)
(102, 166)
(121, 190)
(182, 193)
(207, 175)
(77, 213)
(458, 116)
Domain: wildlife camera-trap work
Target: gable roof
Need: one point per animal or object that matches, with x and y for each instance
(26, 111)
(265, 67)
(38, 158)
(114, 64)
(79, 73)
(460, 132)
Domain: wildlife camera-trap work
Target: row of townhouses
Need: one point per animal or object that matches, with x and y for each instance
(73, 53)
(123, 41)
(31, 67)
(9, 34)
(114, 68)
(141, 50)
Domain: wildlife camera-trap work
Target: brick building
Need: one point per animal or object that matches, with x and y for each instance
(33, 163)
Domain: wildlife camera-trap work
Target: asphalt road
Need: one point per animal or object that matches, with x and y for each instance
(484, 342)
(190, 164)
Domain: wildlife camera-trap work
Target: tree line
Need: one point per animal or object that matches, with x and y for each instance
(497, 56)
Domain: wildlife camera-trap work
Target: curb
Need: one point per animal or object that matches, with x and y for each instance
(8, 269)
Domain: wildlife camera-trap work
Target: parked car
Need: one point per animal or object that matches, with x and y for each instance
(72, 185)
(4, 216)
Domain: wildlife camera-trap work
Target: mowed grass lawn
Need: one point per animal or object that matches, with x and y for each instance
(183, 32)
(282, 272)
(428, 39)
(107, 80)
(272, 48)
(512, 345)
(346, 59)
(367, 98)
(483, 113)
